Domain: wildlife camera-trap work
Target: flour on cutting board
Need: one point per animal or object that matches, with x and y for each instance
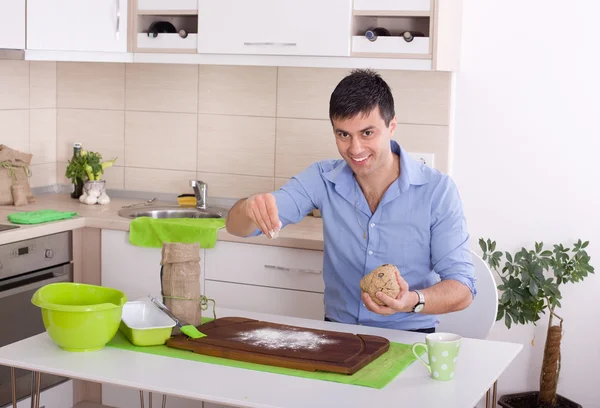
(278, 339)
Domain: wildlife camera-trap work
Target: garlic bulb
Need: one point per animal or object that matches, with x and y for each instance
(90, 200)
(104, 199)
(82, 198)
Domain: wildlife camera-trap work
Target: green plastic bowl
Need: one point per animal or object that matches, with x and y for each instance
(80, 317)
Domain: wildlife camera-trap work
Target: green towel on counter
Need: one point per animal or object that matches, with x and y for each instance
(153, 232)
(376, 374)
(40, 216)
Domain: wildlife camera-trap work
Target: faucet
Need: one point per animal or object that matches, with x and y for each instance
(200, 191)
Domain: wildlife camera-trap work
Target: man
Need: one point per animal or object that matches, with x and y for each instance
(379, 206)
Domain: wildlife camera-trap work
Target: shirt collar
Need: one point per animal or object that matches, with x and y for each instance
(411, 172)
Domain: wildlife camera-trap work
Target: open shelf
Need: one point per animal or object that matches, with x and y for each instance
(167, 42)
(391, 13)
(393, 46)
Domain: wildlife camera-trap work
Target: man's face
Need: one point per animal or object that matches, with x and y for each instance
(364, 141)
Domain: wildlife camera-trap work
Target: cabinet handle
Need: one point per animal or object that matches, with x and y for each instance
(118, 18)
(271, 43)
(281, 268)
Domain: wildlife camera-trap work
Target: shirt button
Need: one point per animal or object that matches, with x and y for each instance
(372, 225)
(370, 252)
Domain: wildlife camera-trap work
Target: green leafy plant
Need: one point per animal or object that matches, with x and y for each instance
(531, 281)
(87, 166)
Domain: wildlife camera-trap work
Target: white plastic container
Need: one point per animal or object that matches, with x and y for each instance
(144, 324)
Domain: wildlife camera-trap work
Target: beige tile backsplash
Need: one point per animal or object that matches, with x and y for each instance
(235, 90)
(236, 145)
(241, 129)
(85, 85)
(98, 130)
(161, 140)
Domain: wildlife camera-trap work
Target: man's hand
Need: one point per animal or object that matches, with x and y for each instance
(262, 210)
(404, 302)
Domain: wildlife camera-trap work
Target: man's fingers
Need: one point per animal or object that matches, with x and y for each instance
(264, 214)
(260, 223)
(272, 212)
(403, 285)
(389, 301)
(374, 307)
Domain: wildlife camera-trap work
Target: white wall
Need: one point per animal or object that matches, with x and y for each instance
(526, 151)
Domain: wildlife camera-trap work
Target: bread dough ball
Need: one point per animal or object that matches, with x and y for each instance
(381, 279)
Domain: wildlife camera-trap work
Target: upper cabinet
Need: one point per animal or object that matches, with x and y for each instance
(12, 30)
(77, 25)
(381, 34)
(275, 27)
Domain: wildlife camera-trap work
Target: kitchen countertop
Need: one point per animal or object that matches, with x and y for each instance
(307, 234)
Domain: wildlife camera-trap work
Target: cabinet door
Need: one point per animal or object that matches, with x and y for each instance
(275, 27)
(75, 25)
(12, 30)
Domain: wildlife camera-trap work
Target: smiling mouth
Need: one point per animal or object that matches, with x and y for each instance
(360, 160)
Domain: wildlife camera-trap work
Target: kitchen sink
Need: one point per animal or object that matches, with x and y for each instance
(172, 212)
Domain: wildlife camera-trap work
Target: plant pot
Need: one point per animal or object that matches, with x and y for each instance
(530, 400)
(77, 189)
(95, 188)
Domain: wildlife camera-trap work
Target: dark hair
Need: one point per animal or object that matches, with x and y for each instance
(360, 93)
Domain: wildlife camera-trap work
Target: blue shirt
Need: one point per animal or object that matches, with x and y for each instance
(418, 226)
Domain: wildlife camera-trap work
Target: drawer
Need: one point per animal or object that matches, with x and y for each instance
(287, 268)
(264, 300)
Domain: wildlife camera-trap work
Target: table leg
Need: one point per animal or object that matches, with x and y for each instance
(35, 389)
(494, 397)
(150, 399)
(13, 384)
(487, 399)
(164, 402)
(141, 399)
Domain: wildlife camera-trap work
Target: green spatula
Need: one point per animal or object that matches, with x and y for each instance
(187, 329)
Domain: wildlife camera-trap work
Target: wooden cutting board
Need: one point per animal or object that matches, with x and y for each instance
(254, 341)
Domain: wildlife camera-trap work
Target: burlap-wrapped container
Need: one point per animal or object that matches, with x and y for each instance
(180, 281)
(14, 171)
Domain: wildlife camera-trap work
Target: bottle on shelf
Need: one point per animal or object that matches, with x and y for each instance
(410, 35)
(373, 33)
(160, 27)
(77, 187)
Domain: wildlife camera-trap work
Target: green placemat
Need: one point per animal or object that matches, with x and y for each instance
(40, 216)
(152, 232)
(377, 374)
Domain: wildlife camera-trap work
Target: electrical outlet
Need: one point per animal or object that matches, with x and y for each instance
(425, 158)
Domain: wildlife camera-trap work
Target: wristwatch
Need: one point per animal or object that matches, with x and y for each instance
(420, 304)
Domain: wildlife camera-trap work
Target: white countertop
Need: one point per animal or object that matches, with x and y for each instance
(307, 234)
(480, 364)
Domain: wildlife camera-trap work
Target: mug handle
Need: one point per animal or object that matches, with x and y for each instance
(414, 347)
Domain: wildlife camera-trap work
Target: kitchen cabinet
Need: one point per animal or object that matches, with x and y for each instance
(12, 30)
(275, 27)
(75, 25)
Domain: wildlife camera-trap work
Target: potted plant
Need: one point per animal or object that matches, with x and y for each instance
(85, 169)
(531, 281)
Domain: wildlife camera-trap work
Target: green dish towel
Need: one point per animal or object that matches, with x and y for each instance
(40, 216)
(377, 374)
(152, 232)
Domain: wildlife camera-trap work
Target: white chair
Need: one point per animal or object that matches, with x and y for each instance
(477, 320)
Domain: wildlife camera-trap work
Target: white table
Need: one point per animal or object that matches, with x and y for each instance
(479, 366)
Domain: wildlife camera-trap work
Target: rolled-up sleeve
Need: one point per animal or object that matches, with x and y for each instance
(298, 196)
(450, 253)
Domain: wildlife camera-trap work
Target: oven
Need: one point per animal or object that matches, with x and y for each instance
(26, 266)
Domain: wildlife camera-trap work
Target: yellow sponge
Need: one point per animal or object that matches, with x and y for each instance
(186, 200)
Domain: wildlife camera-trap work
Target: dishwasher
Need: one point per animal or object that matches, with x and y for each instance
(26, 266)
